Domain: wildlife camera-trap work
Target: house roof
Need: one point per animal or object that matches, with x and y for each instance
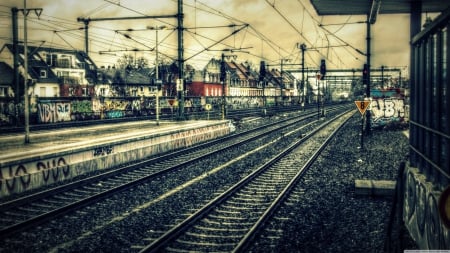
(36, 62)
(234, 68)
(126, 76)
(351, 7)
(6, 74)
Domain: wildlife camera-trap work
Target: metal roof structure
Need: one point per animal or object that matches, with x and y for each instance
(363, 7)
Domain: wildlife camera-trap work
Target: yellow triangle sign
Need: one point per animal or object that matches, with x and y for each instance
(362, 105)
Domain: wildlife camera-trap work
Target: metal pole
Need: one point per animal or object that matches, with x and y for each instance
(318, 94)
(25, 83)
(157, 79)
(86, 36)
(282, 82)
(16, 63)
(324, 95)
(368, 124)
(303, 47)
(180, 61)
(223, 78)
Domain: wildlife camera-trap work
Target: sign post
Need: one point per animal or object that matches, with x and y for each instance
(362, 107)
(208, 108)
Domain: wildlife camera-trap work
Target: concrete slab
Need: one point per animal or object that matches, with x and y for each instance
(375, 187)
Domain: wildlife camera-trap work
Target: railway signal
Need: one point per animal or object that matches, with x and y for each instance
(365, 74)
(362, 106)
(323, 68)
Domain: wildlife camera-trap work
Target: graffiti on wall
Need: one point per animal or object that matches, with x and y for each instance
(187, 138)
(8, 111)
(54, 112)
(83, 106)
(19, 175)
(421, 212)
(388, 106)
(102, 151)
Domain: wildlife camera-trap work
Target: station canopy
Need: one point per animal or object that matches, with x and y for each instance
(363, 7)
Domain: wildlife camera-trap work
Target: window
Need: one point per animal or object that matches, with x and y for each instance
(42, 92)
(43, 73)
(3, 91)
(85, 92)
(102, 91)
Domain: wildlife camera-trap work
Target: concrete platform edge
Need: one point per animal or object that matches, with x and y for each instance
(20, 175)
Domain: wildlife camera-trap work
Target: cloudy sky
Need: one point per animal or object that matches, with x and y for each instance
(268, 30)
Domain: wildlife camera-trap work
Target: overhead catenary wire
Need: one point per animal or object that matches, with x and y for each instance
(105, 38)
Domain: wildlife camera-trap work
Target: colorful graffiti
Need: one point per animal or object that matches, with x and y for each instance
(388, 107)
(83, 106)
(54, 112)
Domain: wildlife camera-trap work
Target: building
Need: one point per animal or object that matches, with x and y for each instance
(54, 72)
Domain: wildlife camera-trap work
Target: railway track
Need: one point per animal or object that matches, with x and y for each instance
(29, 211)
(230, 221)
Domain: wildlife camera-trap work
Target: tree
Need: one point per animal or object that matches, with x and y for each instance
(126, 61)
(141, 62)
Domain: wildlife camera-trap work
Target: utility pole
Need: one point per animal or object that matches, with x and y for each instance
(303, 48)
(179, 16)
(25, 83)
(15, 32)
(158, 82)
(86, 22)
(86, 36)
(26, 11)
(368, 124)
(223, 78)
(262, 79)
(180, 92)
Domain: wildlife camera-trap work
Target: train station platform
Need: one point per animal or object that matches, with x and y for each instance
(61, 154)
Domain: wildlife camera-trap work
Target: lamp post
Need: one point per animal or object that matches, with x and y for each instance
(158, 82)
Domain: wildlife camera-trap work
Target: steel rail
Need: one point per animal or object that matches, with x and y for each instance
(177, 230)
(93, 198)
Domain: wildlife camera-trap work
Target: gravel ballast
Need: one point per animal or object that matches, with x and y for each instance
(329, 216)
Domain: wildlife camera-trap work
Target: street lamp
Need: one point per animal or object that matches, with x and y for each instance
(158, 82)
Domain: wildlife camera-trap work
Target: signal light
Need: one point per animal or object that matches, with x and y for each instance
(323, 68)
(365, 74)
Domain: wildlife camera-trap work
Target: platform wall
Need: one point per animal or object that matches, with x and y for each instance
(421, 214)
(35, 172)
